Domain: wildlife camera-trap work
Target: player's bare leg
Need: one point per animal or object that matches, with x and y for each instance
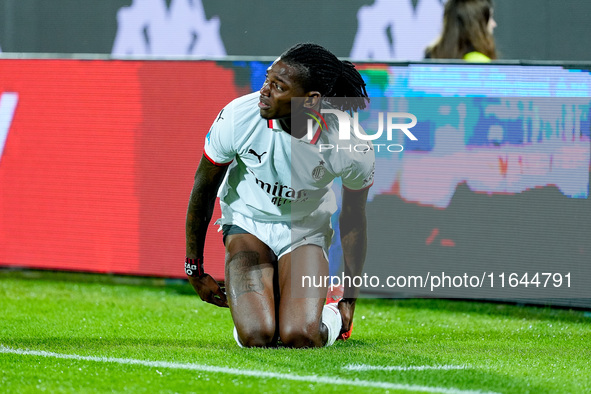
(250, 270)
(300, 308)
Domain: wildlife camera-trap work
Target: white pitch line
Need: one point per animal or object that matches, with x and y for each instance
(243, 372)
(363, 367)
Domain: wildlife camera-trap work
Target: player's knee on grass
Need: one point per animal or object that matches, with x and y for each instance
(302, 335)
(257, 336)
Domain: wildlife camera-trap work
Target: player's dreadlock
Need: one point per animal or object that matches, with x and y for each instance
(322, 71)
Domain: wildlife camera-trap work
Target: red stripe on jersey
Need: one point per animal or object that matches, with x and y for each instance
(212, 161)
(314, 139)
(316, 135)
(319, 128)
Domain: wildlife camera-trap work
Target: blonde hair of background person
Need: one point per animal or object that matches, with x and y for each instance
(467, 34)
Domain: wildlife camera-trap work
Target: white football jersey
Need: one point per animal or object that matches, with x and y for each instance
(273, 176)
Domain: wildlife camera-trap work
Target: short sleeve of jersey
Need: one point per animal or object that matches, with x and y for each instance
(219, 142)
(359, 172)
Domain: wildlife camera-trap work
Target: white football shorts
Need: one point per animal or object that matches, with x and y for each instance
(283, 237)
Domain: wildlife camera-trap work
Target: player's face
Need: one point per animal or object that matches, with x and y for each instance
(279, 87)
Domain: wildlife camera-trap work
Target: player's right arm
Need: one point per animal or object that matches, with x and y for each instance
(218, 154)
(201, 203)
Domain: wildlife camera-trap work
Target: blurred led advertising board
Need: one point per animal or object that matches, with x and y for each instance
(98, 157)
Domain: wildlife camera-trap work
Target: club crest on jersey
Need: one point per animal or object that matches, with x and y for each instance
(319, 171)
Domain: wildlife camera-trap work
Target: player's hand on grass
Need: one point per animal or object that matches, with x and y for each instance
(347, 309)
(209, 290)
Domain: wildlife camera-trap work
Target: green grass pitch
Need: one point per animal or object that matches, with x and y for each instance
(75, 333)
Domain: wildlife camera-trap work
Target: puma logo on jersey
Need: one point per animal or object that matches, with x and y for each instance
(256, 154)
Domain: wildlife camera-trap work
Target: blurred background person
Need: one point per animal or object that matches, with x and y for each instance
(467, 34)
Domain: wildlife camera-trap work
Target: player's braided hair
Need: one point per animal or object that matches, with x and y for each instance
(322, 71)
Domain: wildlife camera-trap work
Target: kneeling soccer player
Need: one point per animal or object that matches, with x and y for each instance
(276, 202)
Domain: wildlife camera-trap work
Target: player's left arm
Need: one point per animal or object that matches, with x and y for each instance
(353, 228)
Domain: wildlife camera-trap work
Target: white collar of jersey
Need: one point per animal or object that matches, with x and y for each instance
(276, 125)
